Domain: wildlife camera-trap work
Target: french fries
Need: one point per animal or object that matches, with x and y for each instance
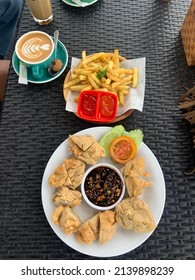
(102, 71)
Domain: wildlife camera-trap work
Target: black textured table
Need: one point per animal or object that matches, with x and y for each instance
(34, 123)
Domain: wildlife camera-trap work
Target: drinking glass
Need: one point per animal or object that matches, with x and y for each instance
(41, 11)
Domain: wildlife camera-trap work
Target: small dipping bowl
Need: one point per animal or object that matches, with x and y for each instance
(103, 186)
(97, 106)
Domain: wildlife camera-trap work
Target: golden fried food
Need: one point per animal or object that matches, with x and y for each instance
(107, 226)
(69, 221)
(67, 197)
(135, 167)
(60, 177)
(86, 148)
(131, 213)
(89, 230)
(57, 214)
(69, 174)
(134, 173)
(79, 144)
(76, 170)
(102, 71)
(134, 214)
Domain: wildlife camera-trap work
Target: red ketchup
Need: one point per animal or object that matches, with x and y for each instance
(88, 105)
(106, 105)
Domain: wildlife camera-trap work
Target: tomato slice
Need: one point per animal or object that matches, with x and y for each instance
(123, 149)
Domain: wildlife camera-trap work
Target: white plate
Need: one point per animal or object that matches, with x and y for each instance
(124, 240)
(88, 2)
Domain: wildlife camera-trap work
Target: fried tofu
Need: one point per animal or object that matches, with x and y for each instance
(67, 197)
(79, 144)
(57, 214)
(107, 226)
(134, 214)
(76, 170)
(69, 174)
(68, 220)
(60, 177)
(89, 230)
(86, 148)
(136, 167)
(134, 176)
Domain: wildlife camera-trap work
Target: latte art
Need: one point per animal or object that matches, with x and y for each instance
(34, 47)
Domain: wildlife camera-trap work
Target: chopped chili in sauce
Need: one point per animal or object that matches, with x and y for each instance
(103, 186)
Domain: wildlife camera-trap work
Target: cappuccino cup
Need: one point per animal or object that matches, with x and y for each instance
(36, 50)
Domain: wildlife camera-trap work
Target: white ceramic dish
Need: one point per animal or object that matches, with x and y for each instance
(124, 240)
(101, 208)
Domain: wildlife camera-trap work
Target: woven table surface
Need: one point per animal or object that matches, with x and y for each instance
(34, 123)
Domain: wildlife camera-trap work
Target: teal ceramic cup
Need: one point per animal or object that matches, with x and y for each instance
(36, 50)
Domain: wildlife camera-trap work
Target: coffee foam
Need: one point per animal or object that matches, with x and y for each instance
(34, 48)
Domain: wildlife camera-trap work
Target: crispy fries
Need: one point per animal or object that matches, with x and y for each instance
(102, 71)
(134, 77)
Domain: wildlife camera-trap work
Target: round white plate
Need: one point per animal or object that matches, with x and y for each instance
(88, 2)
(124, 240)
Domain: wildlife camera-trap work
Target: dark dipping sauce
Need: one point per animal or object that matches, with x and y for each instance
(103, 186)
